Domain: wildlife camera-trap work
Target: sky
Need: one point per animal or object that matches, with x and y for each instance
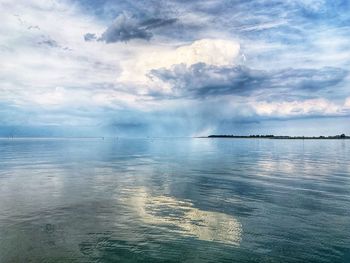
(174, 68)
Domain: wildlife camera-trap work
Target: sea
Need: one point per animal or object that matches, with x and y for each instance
(174, 200)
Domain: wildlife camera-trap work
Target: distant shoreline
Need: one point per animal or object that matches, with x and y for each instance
(278, 137)
(337, 137)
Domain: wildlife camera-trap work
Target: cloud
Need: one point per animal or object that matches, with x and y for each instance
(347, 103)
(127, 27)
(157, 22)
(217, 52)
(313, 107)
(90, 37)
(48, 42)
(202, 80)
(188, 79)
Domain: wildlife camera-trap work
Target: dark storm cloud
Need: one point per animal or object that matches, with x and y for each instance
(202, 80)
(127, 27)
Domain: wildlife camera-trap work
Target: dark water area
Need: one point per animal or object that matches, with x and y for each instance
(174, 200)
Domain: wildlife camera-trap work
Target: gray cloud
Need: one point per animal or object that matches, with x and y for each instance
(90, 37)
(202, 80)
(49, 42)
(157, 22)
(126, 27)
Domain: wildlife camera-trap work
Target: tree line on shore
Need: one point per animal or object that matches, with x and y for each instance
(269, 136)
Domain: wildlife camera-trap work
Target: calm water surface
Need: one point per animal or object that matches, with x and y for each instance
(174, 200)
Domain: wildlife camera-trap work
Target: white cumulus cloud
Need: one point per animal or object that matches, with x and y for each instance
(297, 108)
(217, 52)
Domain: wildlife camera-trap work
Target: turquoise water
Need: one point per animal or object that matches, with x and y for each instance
(174, 200)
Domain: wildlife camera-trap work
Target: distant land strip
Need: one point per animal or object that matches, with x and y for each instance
(341, 136)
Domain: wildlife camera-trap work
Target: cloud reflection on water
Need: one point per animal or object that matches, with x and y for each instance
(168, 212)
